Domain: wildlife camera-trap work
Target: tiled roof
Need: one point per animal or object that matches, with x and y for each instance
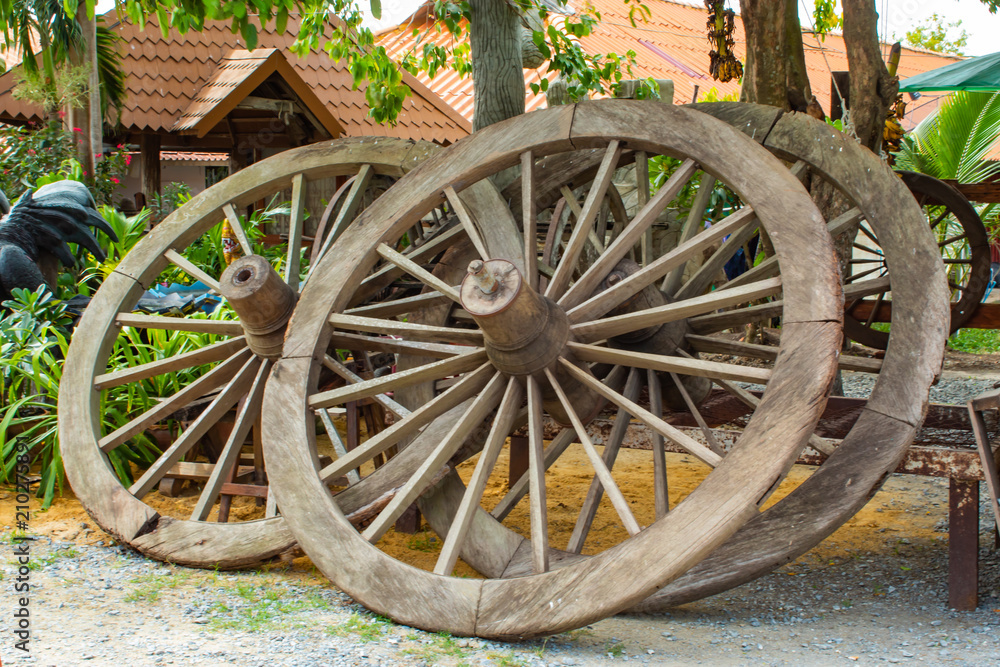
(186, 156)
(236, 77)
(670, 44)
(164, 75)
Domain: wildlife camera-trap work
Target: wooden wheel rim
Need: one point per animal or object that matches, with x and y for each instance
(187, 542)
(934, 190)
(889, 422)
(575, 595)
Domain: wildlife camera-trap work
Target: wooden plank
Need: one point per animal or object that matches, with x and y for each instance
(538, 512)
(252, 490)
(615, 494)
(247, 415)
(612, 446)
(402, 306)
(985, 316)
(346, 341)
(713, 345)
(199, 472)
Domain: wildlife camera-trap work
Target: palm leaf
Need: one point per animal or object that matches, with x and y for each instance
(953, 143)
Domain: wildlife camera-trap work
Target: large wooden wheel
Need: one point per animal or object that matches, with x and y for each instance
(895, 410)
(964, 247)
(548, 345)
(224, 379)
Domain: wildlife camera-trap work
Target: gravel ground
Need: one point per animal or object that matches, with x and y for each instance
(882, 603)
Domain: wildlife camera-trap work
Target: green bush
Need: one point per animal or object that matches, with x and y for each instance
(975, 341)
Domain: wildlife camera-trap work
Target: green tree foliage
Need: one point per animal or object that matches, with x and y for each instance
(934, 35)
(335, 26)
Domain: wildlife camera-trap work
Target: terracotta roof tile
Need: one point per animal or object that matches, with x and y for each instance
(163, 77)
(671, 44)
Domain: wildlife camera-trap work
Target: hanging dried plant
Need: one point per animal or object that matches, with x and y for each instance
(721, 29)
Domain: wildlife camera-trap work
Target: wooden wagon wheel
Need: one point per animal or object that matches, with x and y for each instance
(242, 358)
(744, 562)
(895, 410)
(519, 345)
(964, 246)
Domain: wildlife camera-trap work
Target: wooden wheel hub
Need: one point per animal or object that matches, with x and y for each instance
(263, 301)
(525, 332)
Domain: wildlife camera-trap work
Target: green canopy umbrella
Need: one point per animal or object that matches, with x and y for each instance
(976, 74)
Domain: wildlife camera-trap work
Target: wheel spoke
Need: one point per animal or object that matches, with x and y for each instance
(669, 432)
(937, 221)
(366, 388)
(201, 356)
(577, 211)
(625, 241)
(878, 304)
(538, 511)
(847, 220)
(418, 482)
(706, 324)
(418, 332)
(766, 269)
(529, 219)
(237, 226)
(419, 272)
(353, 476)
(667, 364)
(220, 405)
(348, 211)
(346, 341)
(218, 327)
(296, 223)
(467, 387)
(245, 419)
(661, 495)
(555, 449)
(713, 444)
(465, 218)
(610, 486)
(633, 386)
(642, 192)
(692, 224)
(208, 382)
(610, 327)
(613, 296)
(460, 525)
(712, 345)
(185, 265)
(707, 272)
(346, 373)
(406, 305)
(584, 222)
(384, 277)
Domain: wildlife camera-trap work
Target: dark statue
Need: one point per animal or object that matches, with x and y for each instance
(34, 234)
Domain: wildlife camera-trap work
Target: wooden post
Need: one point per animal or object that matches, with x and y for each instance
(518, 459)
(963, 544)
(149, 146)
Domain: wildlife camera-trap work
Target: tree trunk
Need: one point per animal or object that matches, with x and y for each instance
(872, 88)
(775, 69)
(764, 78)
(87, 113)
(497, 75)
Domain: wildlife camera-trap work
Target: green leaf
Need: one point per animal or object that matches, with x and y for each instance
(376, 8)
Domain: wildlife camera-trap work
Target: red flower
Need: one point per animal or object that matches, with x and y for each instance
(115, 180)
(76, 129)
(128, 160)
